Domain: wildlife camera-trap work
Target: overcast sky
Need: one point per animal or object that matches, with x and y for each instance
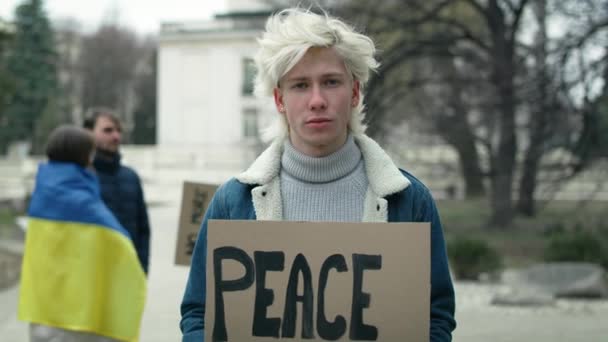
(144, 16)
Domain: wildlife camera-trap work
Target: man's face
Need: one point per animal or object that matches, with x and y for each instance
(107, 134)
(317, 97)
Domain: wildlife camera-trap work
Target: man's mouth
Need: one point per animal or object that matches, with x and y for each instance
(317, 120)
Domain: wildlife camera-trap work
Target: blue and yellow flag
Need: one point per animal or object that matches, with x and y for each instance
(80, 270)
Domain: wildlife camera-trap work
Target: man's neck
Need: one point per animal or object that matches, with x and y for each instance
(320, 169)
(105, 154)
(321, 150)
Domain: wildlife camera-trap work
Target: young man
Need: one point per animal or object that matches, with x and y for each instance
(320, 166)
(121, 188)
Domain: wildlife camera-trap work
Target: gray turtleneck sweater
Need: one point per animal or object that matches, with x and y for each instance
(330, 188)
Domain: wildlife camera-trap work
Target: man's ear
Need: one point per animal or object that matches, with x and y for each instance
(278, 100)
(356, 93)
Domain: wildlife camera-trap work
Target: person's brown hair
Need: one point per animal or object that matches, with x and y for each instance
(95, 113)
(71, 144)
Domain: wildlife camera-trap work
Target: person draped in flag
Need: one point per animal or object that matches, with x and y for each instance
(81, 278)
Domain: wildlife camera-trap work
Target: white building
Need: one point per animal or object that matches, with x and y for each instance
(205, 100)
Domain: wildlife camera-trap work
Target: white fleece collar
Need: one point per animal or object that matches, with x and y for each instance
(383, 176)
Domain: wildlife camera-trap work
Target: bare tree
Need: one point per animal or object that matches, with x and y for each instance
(467, 67)
(69, 37)
(459, 36)
(144, 131)
(108, 65)
(558, 100)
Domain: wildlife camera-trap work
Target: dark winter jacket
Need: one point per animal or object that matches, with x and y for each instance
(393, 196)
(122, 192)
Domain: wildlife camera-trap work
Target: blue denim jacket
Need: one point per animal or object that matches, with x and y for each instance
(240, 199)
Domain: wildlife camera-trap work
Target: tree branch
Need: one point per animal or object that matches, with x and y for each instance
(517, 16)
(477, 7)
(396, 18)
(467, 34)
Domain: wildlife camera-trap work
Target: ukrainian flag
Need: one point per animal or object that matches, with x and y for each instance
(80, 270)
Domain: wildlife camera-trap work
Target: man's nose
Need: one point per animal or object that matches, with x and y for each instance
(116, 135)
(317, 99)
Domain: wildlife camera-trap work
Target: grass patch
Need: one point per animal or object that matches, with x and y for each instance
(6, 216)
(524, 241)
(472, 257)
(7, 222)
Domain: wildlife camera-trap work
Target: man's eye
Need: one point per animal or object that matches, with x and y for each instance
(332, 82)
(299, 85)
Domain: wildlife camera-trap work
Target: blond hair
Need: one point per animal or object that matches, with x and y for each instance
(288, 36)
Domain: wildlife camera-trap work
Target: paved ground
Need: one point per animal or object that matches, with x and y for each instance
(167, 281)
(478, 322)
(566, 321)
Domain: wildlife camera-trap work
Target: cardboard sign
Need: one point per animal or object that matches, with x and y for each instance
(195, 200)
(317, 281)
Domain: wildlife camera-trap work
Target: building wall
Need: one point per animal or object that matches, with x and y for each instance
(200, 97)
(202, 109)
(246, 5)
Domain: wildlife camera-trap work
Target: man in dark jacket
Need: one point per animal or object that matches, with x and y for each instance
(121, 188)
(320, 165)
